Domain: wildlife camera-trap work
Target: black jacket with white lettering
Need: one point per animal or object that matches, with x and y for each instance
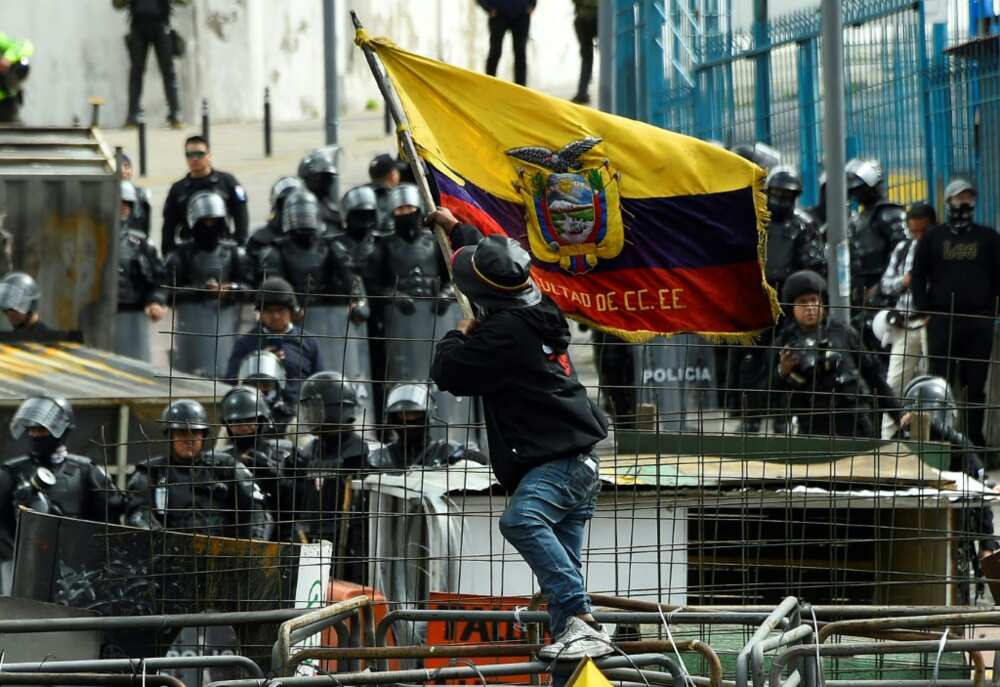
(517, 359)
(957, 271)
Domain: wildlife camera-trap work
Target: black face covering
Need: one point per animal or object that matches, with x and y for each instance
(206, 236)
(244, 442)
(407, 225)
(303, 239)
(960, 215)
(781, 207)
(360, 224)
(42, 448)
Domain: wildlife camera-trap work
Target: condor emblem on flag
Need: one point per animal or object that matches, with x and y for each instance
(574, 216)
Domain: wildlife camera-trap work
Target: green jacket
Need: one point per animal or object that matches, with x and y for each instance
(13, 51)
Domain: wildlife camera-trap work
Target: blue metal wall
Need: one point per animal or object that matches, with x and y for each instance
(924, 110)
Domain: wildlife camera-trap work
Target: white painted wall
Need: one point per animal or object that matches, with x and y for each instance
(236, 47)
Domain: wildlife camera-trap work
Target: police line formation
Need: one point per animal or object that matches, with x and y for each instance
(351, 296)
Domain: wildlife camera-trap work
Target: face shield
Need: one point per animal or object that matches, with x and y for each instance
(40, 412)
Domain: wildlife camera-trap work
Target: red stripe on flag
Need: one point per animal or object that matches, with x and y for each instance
(470, 213)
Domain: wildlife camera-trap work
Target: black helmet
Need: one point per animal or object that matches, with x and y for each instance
(785, 178)
(301, 213)
(282, 187)
(185, 414)
(243, 404)
(932, 395)
(18, 291)
(326, 398)
(318, 170)
(276, 291)
(54, 414)
(800, 283)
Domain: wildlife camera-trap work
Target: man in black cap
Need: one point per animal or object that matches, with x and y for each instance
(823, 368)
(385, 173)
(541, 426)
(956, 280)
(296, 348)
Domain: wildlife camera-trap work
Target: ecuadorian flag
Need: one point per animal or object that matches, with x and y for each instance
(633, 229)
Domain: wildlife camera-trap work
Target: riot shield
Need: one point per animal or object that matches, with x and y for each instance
(677, 377)
(203, 337)
(132, 334)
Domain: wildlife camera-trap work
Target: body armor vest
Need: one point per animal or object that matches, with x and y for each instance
(415, 264)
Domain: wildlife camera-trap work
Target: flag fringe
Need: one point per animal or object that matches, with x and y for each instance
(763, 220)
(642, 336)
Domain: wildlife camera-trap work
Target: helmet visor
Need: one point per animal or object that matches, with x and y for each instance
(40, 412)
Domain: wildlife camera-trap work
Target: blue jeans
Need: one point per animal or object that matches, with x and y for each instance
(544, 521)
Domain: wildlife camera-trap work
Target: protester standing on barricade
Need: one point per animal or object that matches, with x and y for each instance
(900, 326)
(201, 177)
(194, 489)
(956, 281)
(278, 334)
(540, 425)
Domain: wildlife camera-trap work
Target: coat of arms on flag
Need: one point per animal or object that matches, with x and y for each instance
(574, 212)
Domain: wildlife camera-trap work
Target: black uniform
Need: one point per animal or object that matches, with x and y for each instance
(958, 271)
(82, 490)
(175, 226)
(517, 359)
(272, 462)
(402, 455)
(874, 234)
(410, 266)
(301, 355)
(320, 268)
(193, 266)
(151, 26)
(140, 272)
(829, 388)
(214, 495)
(792, 245)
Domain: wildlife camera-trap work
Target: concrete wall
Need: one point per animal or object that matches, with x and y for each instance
(237, 47)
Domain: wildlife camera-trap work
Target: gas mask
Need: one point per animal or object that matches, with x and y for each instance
(960, 214)
(781, 205)
(407, 225)
(303, 239)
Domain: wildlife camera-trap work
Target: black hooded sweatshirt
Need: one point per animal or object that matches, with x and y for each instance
(517, 360)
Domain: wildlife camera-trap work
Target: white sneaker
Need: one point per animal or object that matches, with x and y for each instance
(578, 640)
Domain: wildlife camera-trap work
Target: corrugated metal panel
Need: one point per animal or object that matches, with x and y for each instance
(87, 376)
(59, 193)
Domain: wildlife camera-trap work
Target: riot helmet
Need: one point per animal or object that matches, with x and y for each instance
(281, 189)
(19, 292)
(931, 395)
(129, 198)
(263, 368)
(53, 414)
(408, 409)
(318, 170)
(761, 154)
(185, 414)
(327, 402)
(406, 398)
(300, 218)
(276, 291)
(246, 415)
(206, 216)
(783, 186)
(405, 206)
(960, 211)
(360, 208)
(864, 180)
(801, 283)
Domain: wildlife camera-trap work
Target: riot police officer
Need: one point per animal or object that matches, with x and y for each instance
(140, 298)
(822, 367)
(318, 171)
(880, 225)
(272, 230)
(141, 210)
(791, 243)
(409, 413)
(201, 177)
(277, 334)
(208, 272)
(254, 442)
(19, 298)
(414, 280)
(264, 371)
(194, 489)
(50, 479)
